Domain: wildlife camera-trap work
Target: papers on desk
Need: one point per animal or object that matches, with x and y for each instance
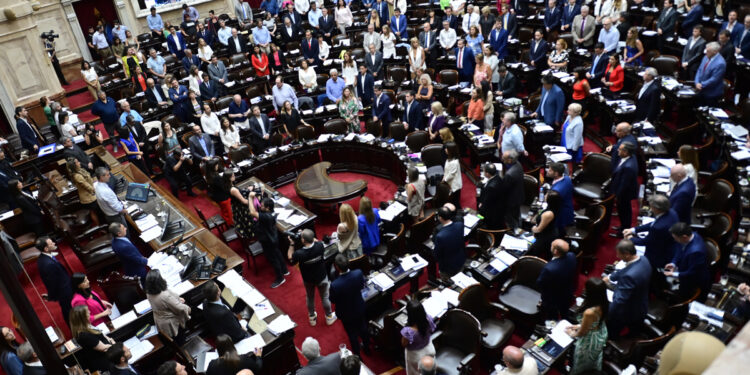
(502, 260)
(124, 319)
(559, 335)
(669, 163)
(484, 139)
(660, 171)
(283, 201)
(240, 288)
(382, 282)
(710, 314)
(250, 344)
(463, 280)
(514, 243)
(737, 132)
(280, 325)
(541, 127)
(138, 348)
(662, 188)
(296, 219)
(282, 213)
(741, 154)
(263, 309)
(151, 234)
(392, 211)
(169, 267)
(183, 287)
(147, 222)
(51, 334)
(102, 327)
(560, 158)
(649, 32)
(718, 113)
(244, 163)
(470, 220)
(469, 127)
(6, 214)
(142, 307)
(412, 262)
(436, 305)
(350, 137)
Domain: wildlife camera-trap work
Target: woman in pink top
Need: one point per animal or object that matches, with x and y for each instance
(83, 295)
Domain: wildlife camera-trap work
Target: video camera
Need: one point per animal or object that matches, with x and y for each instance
(295, 237)
(50, 35)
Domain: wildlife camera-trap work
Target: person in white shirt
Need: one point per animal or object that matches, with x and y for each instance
(308, 78)
(230, 135)
(452, 172)
(302, 6)
(471, 18)
(458, 6)
(224, 33)
(517, 363)
(323, 48)
(447, 38)
(602, 8)
(194, 80)
(209, 121)
(204, 51)
(388, 40)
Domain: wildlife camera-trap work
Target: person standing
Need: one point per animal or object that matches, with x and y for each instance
(268, 236)
(316, 363)
(133, 263)
(690, 263)
(54, 276)
(625, 184)
(312, 267)
(349, 242)
(564, 186)
(449, 244)
(572, 133)
(658, 242)
(631, 285)
(491, 200)
(99, 309)
(369, 226)
(170, 311)
(108, 201)
(346, 294)
(512, 188)
(452, 175)
(415, 337)
(106, 109)
(591, 331)
(558, 281)
(30, 137)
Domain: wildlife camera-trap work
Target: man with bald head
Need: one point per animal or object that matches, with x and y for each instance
(623, 133)
(245, 372)
(518, 363)
(683, 193)
(427, 365)
(556, 282)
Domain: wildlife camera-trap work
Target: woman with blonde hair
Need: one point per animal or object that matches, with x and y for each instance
(482, 71)
(93, 342)
(416, 57)
(446, 135)
(415, 193)
(204, 51)
(436, 121)
(633, 48)
(348, 233)
(368, 221)
(388, 38)
(375, 19)
(424, 91)
(688, 156)
(84, 183)
(349, 109)
(572, 133)
(558, 59)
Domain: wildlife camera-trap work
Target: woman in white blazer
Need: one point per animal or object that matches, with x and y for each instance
(572, 132)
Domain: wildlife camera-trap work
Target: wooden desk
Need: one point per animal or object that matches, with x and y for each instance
(315, 186)
(282, 225)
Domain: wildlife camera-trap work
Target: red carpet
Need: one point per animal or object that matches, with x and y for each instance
(79, 100)
(75, 85)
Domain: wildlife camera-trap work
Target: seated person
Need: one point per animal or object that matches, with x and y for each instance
(219, 318)
(229, 362)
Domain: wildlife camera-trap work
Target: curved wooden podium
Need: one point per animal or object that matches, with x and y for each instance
(316, 187)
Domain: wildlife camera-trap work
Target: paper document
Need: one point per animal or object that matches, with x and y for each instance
(498, 265)
(249, 344)
(138, 348)
(451, 296)
(124, 319)
(470, 220)
(183, 287)
(280, 325)
(559, 335)
(263, 309)
(51, 334)
(514, 243)
(463, 280)
(204, 359)
(436, 305)
(151, 234)
(142, 307)
(382, 282)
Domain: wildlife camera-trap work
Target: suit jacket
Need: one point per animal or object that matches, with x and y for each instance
(564, 187)
(553, 105)
(414, 116)
(188, 62)
(432, 43)
(625, 179)
(197, 150)
(727, 52)
(218, 71)
(667, 22)
(206, 35)
(453, 21)
(742, 44)
(588, 29)
(243, 11)
(552, 18)
(681, 199)
(169, 313)
(247, 361)
(172, 44)
(692, 18)
(133, 263)
(615, 156)
(310, 51)
(513, 185)
(210, 89)
(599, 68)
(401, 26)
(322, 365)
(152, 98)
(368, 92)
(658, 242)
(27, 134)
(630, 302)
(449, 248)
(139, 133)
(647, 106)
(296, 21)
(508, 85)
(692, 265)
(346, 293)
(468, 62)
(538, 53)
(78, 153)
(233, 48)
(327, 25)
(221, 321)
(377, 66)
(286, 37)
(492, 200)
(693, 55)
(255, 127)
(511, 25)
(382, 109)
(56, 279)
(710, 74)
(557, 281)
(30, 211)
(499, 42)
(569, 14)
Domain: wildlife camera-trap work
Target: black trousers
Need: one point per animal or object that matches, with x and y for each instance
(356, 329)
(624, 212)
(176, 181)
(58, 71)
(273, 254)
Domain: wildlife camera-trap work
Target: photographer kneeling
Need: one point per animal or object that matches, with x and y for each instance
(176, 167)
(313, 269)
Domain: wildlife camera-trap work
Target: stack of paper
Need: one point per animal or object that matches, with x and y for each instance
(514, 243)
(280, 325)
(151, 234)
(393, 210)
(451, 296)
(183, 287)
(502, 260)
(156, 258)
(413, 262)
(436, 305)
(382, 282)
(296, 219)
(249, 344)
(124, 319)
(710, 314)
(142, 307)
(470, 220)
(138, 348)
(463, 280)
(559, 335)
(201, 365)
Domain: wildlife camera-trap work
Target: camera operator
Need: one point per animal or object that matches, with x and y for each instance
(49, 46)
(268, 236)
(313, 269)
(176, 167)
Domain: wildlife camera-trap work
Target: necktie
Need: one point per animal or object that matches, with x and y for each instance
(377, 102)
(203, 145)
(583, 24)
(427, 40)
(708, 61)
(505, 21)
(460, 58)
(156, 95)
(593, 66)
(309, 44)
(244, 12)
(408, 107)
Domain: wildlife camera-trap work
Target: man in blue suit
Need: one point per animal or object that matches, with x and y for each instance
(623, 133)
(449, 244)
(209, 88)
(658, 242)
(598, 65)
(709, 79)
(398, 25)
(133, 263)
(310, 49)
(692, 18)
(54, 276)
(346, 294)
(189, 60)
(690, 264)
(557, 281)
(683, 193)
(741, 38)
(570, 11)
(464, 61)
(364, 86)
(551, 104)
(205, 34)
(381, 108)
(630, 301)
(452, 19)
(552, 17)
(29, 139)
(562, 184)
(538, 51)
(412, 118)
(176, 43)
(498, 39)
(625, 183)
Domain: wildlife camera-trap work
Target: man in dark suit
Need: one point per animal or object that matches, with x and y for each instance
(201, 145)
(346, 294)
(293, 15)
(205, 34)
(508, 85)
(176, 43)
(219, 318)
(449, 245)
(490, 204)
(552, 17)
(562, 184)
(727, 50)
(690, 264)
(598, 65)
(550, 109)
(7, 173)
(71, 150)
(658, 242)
(648, 101)
(625, 183)
(316, 363)
(237, 43)
(54, 276)
(693, 16)
(154, 94)
(328, 25)
(364, 86)
(665, 24)
(209, 89)
(683, 193)
(374, 62)
(412, 119)
(623, 133)
(510, 23)
(133, 263)
(538, 51)
(452, 19)
(512, 188)
(428, 40)
(464, 61)
(519, 6)
(630, 301)
(189, 60)
(31, 363)
(693, 52)
(310, 49)
(289, 32)
(260, 130)
(29, 139)
(741, 37)
(557, 281)
(569, 12)
(119, 355)
(381, 108)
